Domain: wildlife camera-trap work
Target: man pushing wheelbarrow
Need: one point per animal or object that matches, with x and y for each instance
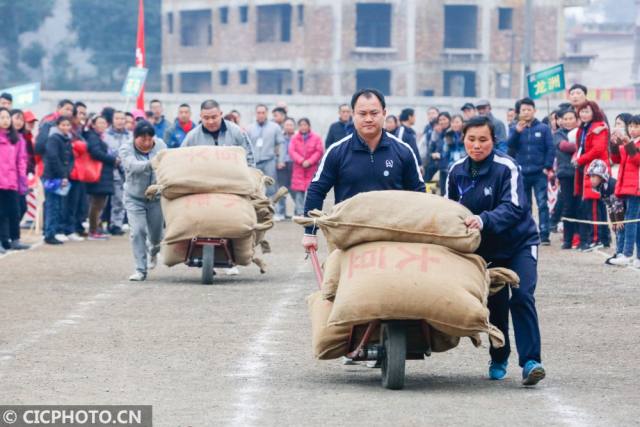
(404, 280)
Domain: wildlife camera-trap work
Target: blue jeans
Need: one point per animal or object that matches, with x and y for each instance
(298, 198)
(73, 213)
(537, 183)
(284, 180)
(53, 204)
(631, 229)
(522, 305)
(268, 167)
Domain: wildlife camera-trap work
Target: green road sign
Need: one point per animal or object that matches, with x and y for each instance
(25, 95)
(134, 82)
(546, 81)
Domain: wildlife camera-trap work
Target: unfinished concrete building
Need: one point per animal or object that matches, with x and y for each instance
(465, 48)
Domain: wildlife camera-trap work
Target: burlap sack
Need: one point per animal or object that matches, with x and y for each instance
(328, 342)
(501, 277)
(332, 342)
(396, 216)
(174, 253)
(390, 280)
(208, 215)
(202, 169)
(331, 275)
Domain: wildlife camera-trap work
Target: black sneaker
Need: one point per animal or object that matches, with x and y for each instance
(590, 247)
(546, 242)
(52, 241)
(566, 245)
(116, 231)
(16, 245)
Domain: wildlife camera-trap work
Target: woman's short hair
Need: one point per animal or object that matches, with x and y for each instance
(478, 122)
(144, 128)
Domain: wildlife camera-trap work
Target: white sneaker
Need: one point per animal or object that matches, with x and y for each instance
(233, 271)
(278, 218)
(153, 261)
(62, 237)
(348, 362)
(125, 227)
(137, 277)
(621, 261)
(75, 237)
(374, 364)
(636, 263)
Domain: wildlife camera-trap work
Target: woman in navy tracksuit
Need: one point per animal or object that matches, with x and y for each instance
(490, 185)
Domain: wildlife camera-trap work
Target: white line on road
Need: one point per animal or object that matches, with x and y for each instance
(79, 312)
(261, 348)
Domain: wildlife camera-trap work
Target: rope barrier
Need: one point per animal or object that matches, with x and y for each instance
(583, 221)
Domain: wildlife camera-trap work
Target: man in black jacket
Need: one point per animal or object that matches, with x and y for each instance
(341, 128)
(65, 109)
(58, 163)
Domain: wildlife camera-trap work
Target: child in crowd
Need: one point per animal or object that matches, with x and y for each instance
(58, 163)
(625, 150)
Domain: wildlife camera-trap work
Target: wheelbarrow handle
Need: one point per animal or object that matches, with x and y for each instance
(316, 266)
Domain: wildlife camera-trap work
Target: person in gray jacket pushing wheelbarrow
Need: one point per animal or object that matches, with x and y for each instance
(145, 216)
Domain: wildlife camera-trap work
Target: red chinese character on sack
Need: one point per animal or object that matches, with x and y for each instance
(422, 258)
(198, 200)
(226, 155)
(367, 259)
(228, 200)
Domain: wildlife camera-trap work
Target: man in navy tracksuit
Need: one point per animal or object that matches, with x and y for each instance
(490, 185)
(369, 159)
(531, 144)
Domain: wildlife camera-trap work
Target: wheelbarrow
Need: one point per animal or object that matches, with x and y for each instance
(209, 253)
(390, 343)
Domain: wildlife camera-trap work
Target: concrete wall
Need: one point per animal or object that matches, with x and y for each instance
(321, 110)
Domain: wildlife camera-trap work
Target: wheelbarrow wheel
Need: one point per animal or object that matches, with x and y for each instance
(394, 343)
(208, 260)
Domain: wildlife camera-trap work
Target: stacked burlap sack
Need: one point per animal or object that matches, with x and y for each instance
(402, 255)
(210, 191)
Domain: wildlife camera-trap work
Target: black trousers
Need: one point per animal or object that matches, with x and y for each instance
(9, 215)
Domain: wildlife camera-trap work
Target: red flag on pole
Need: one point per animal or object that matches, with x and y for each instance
(140, 53)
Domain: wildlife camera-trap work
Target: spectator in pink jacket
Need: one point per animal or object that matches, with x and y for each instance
(305, 150)
(13, 182)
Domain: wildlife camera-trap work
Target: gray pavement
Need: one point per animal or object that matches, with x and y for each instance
(74, 331)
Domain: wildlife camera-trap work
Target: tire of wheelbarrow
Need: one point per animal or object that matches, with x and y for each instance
(394, 342)
(208, 261)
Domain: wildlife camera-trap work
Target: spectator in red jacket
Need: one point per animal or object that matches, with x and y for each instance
(591, 146)
(625, 150)
(305, 150)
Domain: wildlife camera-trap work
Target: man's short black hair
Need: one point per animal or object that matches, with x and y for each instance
(184, 106)
(128, 114)
(64, 102)
(368, 93)
(578, 86)
(477, 122)
(209, 104)
(406, 114)
(7, 96)
(155, 101)
(564, 106)
(262, 106)
(524, 101)
(343, 105)
(79, 104)
(279, 110)
(143, 128)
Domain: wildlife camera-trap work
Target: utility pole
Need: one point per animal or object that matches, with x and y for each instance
(527, 48)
